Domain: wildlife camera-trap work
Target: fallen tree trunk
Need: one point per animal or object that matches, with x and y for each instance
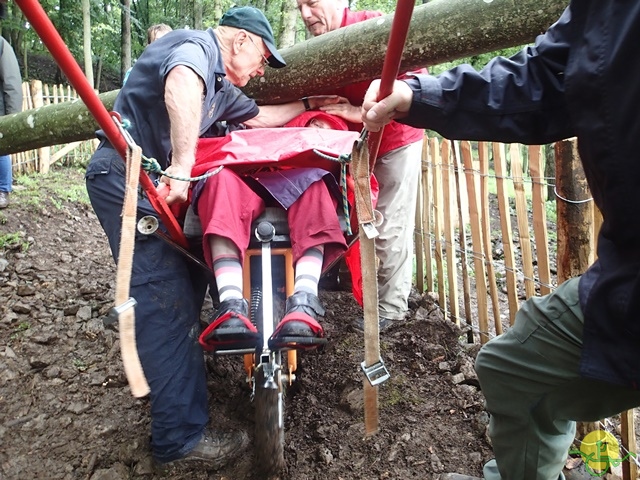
(441, 31)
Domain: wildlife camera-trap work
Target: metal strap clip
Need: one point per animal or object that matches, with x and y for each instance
(376, 373)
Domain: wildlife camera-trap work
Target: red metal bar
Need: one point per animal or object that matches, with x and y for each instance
(43, 26)
(391, 65)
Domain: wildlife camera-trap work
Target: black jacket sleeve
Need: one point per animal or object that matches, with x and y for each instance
(518, 99)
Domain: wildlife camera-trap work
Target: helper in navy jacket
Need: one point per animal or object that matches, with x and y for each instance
(573, 355)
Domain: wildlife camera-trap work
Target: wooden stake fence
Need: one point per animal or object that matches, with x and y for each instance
(520, 200)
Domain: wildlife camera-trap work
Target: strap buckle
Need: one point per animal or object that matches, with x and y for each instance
(376, 373)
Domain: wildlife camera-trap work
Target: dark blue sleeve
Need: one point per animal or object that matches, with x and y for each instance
(234, 106)
(512, 100)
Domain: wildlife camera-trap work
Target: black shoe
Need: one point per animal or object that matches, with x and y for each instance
(217, 448)
(299, 328)
(230, 328)
(383, 324)
(4, 199)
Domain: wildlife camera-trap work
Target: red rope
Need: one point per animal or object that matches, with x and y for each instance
(43, 26)
(391, 65)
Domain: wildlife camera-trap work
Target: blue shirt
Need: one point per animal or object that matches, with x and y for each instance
(141, 99)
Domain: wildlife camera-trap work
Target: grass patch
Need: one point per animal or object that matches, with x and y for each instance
(54, 189)
(17, 332)
(13, 241)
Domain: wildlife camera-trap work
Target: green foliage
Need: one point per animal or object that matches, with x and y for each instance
(10, 241)
(106, 17)
(18, 331)
(477, 61)
(40, 191)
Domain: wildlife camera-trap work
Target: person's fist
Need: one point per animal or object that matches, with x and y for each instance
(376, 114)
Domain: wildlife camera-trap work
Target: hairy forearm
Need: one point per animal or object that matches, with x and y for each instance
(183, 98)
(276, 115)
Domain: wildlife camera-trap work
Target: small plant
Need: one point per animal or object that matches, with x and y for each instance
(23, 326)
(11, 241)
(79, 364)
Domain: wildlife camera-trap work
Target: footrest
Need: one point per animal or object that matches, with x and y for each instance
(293, 342)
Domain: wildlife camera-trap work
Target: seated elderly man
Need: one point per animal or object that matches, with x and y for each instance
(229, 202)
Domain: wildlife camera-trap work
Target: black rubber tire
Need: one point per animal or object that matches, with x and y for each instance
(269, 426)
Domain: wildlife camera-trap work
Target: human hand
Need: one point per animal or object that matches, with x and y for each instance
(174, 191)
(344, 110)
(376, 114)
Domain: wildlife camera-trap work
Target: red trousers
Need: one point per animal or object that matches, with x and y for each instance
(227, 207)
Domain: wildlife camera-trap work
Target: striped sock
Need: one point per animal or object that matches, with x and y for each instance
(308, 270)
(228, 272)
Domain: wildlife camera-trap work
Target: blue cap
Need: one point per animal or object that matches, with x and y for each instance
(253, 20)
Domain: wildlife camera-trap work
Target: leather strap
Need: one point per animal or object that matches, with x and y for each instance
(126, 318)
(364, 209)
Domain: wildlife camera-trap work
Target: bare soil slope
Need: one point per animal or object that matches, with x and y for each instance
(66, 411)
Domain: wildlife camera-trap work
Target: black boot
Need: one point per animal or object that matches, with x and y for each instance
(230, 328)
(299, 328)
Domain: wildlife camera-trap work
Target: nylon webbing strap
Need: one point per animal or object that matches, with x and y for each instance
(364, 209)
(124, 304)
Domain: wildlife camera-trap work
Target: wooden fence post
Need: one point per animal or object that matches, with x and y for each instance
(500, 166)
(43, 154)
(483, 161)
(575, 212)
(449, 217)
(475, 219)
(427, 194)
(438, 220)
(539, 218)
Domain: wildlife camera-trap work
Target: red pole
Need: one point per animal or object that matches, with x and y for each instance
(43, 26)
(391, 65)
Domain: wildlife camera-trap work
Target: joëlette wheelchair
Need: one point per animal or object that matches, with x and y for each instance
(268, 279)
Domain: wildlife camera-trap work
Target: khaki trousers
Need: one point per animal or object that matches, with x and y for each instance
(534, 392)
(397, 172)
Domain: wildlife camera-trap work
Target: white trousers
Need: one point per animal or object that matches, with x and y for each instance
(398, 173)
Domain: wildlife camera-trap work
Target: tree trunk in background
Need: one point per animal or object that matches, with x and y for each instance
(288, 16)
(575, 212)
(440, 31)
(197, 15)
(337, 58)
(86, 37)
(550, 170)
(217, 11)
(125, 52)
(98, 72)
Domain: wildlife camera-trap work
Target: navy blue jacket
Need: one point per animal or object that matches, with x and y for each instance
(581, 78)
(141, 100)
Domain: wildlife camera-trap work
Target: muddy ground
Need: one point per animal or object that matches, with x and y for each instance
(66, 411)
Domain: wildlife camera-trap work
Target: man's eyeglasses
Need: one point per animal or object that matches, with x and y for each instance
(265, 60)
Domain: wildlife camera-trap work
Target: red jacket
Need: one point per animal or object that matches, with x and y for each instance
(395, 135)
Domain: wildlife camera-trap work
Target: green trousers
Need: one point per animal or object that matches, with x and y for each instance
(534, 392)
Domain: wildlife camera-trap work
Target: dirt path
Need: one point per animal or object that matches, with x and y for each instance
(66, 411)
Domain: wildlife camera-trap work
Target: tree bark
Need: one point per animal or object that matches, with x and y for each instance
(288, 17)
(86, 36)
(53, 124)
(575, 212)
(125, 53)
(440, 31)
